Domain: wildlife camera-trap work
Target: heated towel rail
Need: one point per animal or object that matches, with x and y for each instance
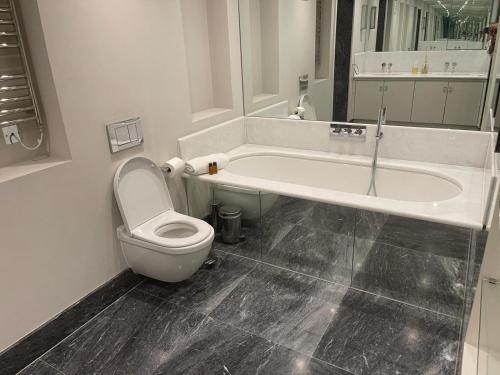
(18, 102)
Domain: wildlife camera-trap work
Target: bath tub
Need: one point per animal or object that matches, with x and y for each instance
(390, 182)
(435, 192)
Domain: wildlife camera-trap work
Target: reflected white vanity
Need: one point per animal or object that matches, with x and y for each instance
(423, 99)
(450, 94)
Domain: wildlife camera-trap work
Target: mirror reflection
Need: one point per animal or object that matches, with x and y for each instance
(427, 61)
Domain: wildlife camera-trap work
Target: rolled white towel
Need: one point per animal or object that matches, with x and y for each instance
(199, 165)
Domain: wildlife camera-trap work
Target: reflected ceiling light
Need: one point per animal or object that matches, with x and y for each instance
(444, 7)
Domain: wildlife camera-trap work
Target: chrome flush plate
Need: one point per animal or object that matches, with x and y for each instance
(125, 134)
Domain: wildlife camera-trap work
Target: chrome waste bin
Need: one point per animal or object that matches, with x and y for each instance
(230, 218)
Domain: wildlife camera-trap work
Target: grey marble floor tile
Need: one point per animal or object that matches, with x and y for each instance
(249, 247)
(217, 345)
(315, 252)
(289, 309)
(419, 278)
(419, 235)
(207, 287)
(39, 368)
(288, 210)
(284, 361)
(330, 218)
(272, 234)
(370, 335)
(39, 341)
(133, 336)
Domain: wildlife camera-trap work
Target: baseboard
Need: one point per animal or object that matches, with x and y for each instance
(32, 346)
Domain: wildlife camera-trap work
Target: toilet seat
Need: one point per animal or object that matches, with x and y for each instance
(157, 241)
(173, 230)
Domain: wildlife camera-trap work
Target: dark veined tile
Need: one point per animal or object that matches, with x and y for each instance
(330, 218)
(40, 368)
(287, 308)
(370, 333)
(284, 361)
(419, 235)
(218, 348)
(419, 278)
(207, 287)
(38, 342)
(287, 211)
(314, 252)
(250, 244)
(133, 336)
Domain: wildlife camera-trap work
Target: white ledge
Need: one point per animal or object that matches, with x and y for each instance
(18, 170)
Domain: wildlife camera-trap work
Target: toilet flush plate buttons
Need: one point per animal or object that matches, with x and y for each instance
(125, 134)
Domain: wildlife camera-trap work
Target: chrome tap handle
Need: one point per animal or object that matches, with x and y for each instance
(383, 115)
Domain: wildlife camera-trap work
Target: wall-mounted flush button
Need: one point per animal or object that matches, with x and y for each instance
(125, 134)
(122, 135)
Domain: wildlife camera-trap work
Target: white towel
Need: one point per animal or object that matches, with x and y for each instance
(199, 165)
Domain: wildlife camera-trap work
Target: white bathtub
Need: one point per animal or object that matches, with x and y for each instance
(390, 182)
(435, 192)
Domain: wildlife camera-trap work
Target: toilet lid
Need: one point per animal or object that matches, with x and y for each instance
(140, 191)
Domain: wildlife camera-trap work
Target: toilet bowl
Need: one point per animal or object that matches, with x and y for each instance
(157, 241)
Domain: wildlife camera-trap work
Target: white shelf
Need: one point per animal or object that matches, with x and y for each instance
(208, 113)
(263, 97)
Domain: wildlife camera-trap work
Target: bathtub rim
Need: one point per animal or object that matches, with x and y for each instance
(465, 210)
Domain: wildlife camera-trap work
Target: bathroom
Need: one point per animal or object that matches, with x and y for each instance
(325, 242)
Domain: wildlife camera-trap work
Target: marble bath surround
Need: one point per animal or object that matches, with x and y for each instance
(463, 157)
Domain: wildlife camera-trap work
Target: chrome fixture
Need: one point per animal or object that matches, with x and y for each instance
(389, 68)
(382, 113)
(446, 66)
(341, 129)
(303, 82)
(355, 69)
(384, 67)
(19, 86)
(453, 67)
(125, 134)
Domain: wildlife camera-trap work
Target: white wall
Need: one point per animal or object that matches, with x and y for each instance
(109, 60)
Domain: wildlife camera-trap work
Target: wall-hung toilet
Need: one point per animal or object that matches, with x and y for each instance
(157, 241)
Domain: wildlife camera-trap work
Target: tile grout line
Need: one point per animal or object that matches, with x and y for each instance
(278, 344)
(79, 329)
(346, 286)
(48, 364)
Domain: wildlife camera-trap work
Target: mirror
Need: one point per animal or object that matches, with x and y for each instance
(427, 61)
(425, 25)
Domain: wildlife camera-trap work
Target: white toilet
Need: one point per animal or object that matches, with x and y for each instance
(157, 241)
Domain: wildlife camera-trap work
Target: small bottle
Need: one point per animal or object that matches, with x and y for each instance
(425, 68)
(414, 68)
(210, 168)
(215, 167)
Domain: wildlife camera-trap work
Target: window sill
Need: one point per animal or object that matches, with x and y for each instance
(25, 168)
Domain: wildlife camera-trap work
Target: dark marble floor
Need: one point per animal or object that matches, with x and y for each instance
(417, 262)
(246, 317)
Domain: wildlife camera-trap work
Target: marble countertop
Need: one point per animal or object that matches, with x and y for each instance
(429, 76)
(465, 210)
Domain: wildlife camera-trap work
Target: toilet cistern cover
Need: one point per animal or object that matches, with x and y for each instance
(140, 191)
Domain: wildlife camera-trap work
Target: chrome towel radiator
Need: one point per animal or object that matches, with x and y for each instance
(18, 102)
